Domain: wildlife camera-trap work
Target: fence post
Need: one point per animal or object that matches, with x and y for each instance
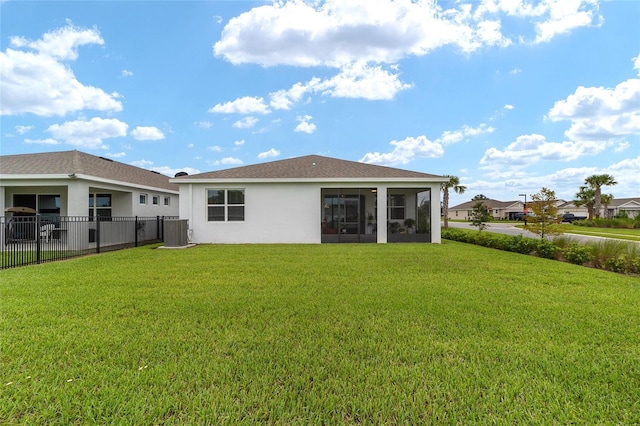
(37, 232)
(158, 233)
(135, 232)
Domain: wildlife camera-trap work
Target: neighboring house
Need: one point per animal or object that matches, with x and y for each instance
(500, 210)
(631, 206)
(570, 207)
(73, 183)
(311, 199)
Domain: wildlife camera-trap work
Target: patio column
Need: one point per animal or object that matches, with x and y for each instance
(435, 215)
(381, 220)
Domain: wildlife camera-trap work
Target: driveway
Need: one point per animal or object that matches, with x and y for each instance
(510, 229)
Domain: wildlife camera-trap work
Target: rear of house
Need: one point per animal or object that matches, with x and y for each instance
(311, 199)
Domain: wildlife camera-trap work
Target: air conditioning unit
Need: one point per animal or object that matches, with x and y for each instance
(175, 232)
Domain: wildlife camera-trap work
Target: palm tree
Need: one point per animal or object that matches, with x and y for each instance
(452, 183)
(585, 197)
(596, 182)
(606, 200)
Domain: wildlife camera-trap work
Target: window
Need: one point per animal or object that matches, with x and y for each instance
(99, 205)
(396, 204)
(155, 200)
(143, 198)
(225, 205)
(167, 201)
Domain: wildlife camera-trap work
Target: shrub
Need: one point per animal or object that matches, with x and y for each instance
(578, 254)
(617, 264)
(546, 249)
(634, 265)
(520, 244)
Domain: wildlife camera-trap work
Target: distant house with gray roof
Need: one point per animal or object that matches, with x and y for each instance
(73, 183)
(499, 210)
(311, 199)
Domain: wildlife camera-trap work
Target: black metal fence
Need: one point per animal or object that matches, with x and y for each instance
(26, 240)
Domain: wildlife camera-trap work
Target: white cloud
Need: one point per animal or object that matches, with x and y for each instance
(204, 124)
(246, 123)
(284, 99)
(508, 107)
(214, 148)
(228, 161)
(116, 154)
(171, 171)
(143, 133)
(89, 134)
(565, 182)
(636, 64)
(530, 149)
(450, 137)
(269, 154)
(599, 113)
(549, 17)
(21, 130)
(39, 83)
(622, 146)
(336, 32)
(127, 73)
(565, 16)
(142, 163)
(62, 43)
(360, 80)
(47, 141)
(244, 105)
(405, 150)
(239, 142)
(165, 170)
(304, 124)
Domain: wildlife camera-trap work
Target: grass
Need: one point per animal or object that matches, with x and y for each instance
(617, 233)
(320, 334)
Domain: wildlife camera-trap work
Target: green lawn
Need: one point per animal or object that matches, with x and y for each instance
(617, 233)
(318, 334)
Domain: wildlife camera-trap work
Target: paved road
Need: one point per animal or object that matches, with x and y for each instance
(510, 229)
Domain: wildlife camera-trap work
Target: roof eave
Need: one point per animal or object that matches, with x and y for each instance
(429, 180)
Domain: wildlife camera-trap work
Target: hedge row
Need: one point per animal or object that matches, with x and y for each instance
(616, 256)
(619, 223)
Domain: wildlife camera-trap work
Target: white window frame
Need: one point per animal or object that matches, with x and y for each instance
(146, 199)
(226, 205)
(155, 200)
(167, 201)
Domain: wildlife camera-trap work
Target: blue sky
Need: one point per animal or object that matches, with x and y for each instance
(509, 95)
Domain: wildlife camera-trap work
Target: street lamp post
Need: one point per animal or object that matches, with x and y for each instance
(524, 210)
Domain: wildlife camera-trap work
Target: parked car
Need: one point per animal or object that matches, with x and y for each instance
(570, 217)
(520, 215)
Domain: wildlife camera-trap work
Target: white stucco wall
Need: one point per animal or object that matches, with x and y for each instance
(283, 212)
(74, 196)
(274, 213)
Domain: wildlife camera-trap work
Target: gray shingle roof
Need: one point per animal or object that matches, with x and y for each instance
(490, 203)
(66, 162)
(311, 167)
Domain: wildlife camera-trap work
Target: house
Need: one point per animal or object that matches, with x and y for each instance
(570, 207)
(630, 207)
(311, 199)
(499, 210)
(73, 183)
